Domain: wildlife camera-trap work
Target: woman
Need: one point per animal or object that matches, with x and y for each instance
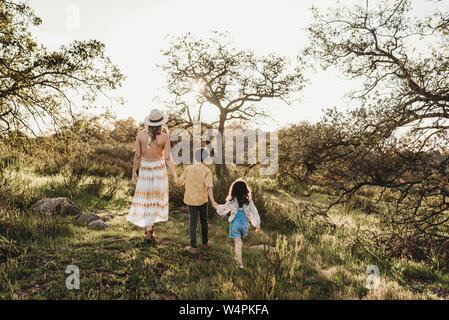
(150, 203)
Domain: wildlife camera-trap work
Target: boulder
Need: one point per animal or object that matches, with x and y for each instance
(107, 217)
(97, 225)
(86, 218)
(56, 206)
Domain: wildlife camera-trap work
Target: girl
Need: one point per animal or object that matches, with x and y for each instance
(242, 210)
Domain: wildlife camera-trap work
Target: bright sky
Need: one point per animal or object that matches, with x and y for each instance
(134, 32)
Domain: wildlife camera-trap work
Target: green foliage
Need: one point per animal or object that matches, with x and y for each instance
(112, 160)
(73, 159)
(83, 150)
(125, 131)
(14, 189)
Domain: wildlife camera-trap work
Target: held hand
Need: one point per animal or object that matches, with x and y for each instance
(134, 178)
(258, 229)
(215, 205)
(175, 180)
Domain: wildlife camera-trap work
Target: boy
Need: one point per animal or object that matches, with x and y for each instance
(198, 185)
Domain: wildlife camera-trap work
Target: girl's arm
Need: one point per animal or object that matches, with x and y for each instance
(223, 209)
(255, 221)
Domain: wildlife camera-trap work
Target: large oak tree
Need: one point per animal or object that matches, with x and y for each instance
(399, 139)
(233, 81)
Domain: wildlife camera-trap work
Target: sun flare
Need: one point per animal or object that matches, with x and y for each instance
(197, 86)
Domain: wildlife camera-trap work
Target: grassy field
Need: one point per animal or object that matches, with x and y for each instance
(313, 257)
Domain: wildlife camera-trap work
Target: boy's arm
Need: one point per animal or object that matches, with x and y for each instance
(182, 178)
(210, 192)
(210, 188)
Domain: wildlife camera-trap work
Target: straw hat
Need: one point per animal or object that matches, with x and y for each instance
(156, 118)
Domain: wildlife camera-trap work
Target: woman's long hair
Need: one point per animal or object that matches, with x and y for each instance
(154, 131)
(241, 191)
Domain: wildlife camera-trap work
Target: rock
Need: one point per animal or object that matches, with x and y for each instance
(56, 206)
(86, 218)
(107, 217)
(98, 225)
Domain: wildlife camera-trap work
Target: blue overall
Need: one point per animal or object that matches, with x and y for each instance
(239, 226)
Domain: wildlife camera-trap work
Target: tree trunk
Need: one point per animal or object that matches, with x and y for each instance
(222, 169)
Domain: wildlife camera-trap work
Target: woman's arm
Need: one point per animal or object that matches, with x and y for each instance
(137, 158)
(182, 179)
(168, 159)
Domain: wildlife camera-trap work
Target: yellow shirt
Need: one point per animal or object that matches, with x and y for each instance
(197, 178)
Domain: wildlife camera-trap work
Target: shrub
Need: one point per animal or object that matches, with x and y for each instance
(15, 191)
(105, 188)
(362, 203)
(29, 227)
(8, 248)
(112, 160)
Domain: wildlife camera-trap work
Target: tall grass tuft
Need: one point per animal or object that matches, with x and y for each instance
(271, 278)
(26, 227)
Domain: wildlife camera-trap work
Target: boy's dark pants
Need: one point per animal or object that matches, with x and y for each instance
(194, 212)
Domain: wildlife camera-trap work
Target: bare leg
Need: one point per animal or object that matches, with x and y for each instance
(149, 233)
(238, 250)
